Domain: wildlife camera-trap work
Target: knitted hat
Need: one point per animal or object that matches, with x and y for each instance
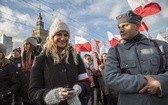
(3, 48)
(17, 49)
(58, 25)
(130, 17)
(33, 40)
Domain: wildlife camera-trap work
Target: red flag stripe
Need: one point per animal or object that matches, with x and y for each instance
(143, 27)
(147, 10)
(113, 42)
(85, 47)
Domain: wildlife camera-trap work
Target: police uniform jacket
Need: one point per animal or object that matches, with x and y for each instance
(125, 73)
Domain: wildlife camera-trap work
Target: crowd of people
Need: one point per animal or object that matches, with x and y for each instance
(134, 72)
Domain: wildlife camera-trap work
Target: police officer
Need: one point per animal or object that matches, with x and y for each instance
(137, 67)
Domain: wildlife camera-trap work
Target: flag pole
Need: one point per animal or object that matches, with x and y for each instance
(147, 32)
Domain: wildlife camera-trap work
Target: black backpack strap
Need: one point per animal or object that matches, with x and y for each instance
(118, 59)
(161, 69)
(117, 53)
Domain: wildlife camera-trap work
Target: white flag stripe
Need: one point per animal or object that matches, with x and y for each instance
(136, 3)
(110, 36)
(82, 76)
(159, 37)
(80, 40)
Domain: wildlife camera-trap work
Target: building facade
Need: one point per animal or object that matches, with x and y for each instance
(7, 41)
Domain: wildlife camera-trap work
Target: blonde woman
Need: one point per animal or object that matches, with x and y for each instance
(58, 74)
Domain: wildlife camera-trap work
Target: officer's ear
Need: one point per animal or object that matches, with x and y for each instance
(137, 27)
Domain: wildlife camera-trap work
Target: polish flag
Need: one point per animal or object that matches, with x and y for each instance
(96, 45)
(95, 64)
(112, 39)
(160, 37)
(103, 49)
(82, 45)
(143, 27)
(144, 7)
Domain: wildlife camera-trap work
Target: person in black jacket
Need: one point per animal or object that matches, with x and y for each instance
(15, 59)
(58, 74)
(9, 78)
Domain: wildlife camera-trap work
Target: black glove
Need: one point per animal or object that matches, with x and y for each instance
(6, 96)
(37, 50)
(1, 97)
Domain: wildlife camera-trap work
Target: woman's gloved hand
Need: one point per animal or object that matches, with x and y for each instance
(6, 96)
(74, 99)
(77, 89)
(55, 96)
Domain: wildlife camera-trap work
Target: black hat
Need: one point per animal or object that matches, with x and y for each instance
(130, 17)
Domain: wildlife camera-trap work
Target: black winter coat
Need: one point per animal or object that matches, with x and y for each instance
(46, 76)
(9, 83)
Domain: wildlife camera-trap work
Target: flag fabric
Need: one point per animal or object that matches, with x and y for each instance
(149, 36)
(82, 45)
(159, 37)
(118, 37)
(103, 49)
(96, 45)
(106, 50)
(144, 7)
(143, 27)
(95, 64)
(112, 39)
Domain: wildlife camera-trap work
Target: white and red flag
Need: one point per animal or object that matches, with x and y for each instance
(96, 45)
(143, 27)
(160, 37)
(112, 39)
(144, 7)
(82, 45)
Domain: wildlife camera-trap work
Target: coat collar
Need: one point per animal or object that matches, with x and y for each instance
(144, 40)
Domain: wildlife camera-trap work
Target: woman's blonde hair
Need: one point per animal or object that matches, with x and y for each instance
(51, 50)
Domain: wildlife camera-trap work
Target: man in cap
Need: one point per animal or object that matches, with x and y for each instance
(138, 67)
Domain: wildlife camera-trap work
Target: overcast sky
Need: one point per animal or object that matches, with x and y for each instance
(87, 18)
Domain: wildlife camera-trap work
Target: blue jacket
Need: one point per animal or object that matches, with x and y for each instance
(137, 60)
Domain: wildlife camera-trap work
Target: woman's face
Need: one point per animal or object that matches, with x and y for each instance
(95, 54)
(104, 56)
(26, 46)
(61, 38)
(88, 60)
